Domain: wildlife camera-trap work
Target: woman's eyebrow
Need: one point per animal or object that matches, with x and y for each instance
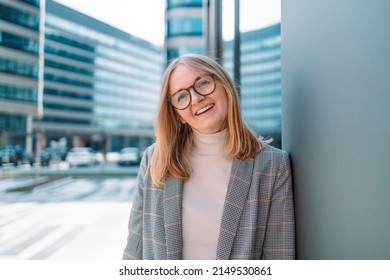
(197, 78)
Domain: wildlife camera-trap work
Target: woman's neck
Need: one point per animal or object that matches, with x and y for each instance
(209, 144)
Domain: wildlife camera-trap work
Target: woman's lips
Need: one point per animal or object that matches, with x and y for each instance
(204, 109)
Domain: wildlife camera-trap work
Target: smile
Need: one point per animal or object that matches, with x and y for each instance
(204, 109)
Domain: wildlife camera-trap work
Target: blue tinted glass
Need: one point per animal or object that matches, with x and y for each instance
(18, 93)
(184, 3)
(19, 17)
(19, 43)
(18, 68)
(31, 2)
(185, 26)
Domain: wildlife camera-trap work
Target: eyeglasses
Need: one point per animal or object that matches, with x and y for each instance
(204, 85)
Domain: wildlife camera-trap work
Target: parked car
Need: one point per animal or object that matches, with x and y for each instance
(129, 156)
(59, 152)
(15, 155)
(81, 156)
(45, 156)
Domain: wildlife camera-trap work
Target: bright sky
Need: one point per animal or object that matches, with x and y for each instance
(254, 14)
(145, 18)
(141, 18)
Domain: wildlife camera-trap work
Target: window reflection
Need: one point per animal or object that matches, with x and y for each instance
(19, 17)
(260, 62)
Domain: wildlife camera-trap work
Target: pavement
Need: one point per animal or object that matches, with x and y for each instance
(66, 219)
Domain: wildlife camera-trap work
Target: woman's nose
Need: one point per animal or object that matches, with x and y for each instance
(195, 97)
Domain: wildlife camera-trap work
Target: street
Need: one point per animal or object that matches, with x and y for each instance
(64, 168)
(66, 219)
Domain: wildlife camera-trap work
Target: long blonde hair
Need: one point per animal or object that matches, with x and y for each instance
(174, 139)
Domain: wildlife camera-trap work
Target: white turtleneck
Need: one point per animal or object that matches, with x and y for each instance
(204, 195)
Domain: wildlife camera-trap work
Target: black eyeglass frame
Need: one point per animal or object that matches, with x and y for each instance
(193, 87)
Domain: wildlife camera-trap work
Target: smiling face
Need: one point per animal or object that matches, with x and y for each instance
(206, 114)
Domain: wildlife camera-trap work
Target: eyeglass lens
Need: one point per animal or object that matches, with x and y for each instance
(203, 86)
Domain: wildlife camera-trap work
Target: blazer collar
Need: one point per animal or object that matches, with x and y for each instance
(237, 192)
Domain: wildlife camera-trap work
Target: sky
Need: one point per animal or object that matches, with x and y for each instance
(145, 18)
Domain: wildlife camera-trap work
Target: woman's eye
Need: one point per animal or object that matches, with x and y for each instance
(203, 83)
(181, 96)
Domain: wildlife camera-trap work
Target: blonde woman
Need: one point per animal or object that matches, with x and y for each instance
(209, 188)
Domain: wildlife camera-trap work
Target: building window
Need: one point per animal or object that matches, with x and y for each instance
(11, 123)
(34, 3)
(184, 3)
(18, 93)
(70, 94)
(58, 79)
(18, 17)
(67, 41)
(18, 68)
(20, 43)
(62, 66)
(185, 27)
(49, 49)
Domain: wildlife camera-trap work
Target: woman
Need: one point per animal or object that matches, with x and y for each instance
(209, 188)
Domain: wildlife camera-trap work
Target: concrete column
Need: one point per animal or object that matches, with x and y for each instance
(213, 19)
(29, 134)
(335, 124)
(108, 143)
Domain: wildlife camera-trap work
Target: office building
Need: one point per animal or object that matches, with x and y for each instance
(184, 28)
(20, 47)
(99, 86)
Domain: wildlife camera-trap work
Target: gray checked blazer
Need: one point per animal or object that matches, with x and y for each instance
(257, 220)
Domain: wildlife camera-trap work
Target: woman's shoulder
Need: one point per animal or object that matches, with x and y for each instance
(271, 149)
(149, 150)
(147, 154)
(269, 153)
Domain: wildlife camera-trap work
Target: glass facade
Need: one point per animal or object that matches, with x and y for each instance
(17, 42)
(184, 3)
(100, 84)
(34, 3)
(19, 67)
(13, 130)
(20, 94)
(184, 28)
(19, 17)
(260, 84)
(98, 81)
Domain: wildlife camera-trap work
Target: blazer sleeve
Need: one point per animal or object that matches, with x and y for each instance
(280, 234)
(133, 249)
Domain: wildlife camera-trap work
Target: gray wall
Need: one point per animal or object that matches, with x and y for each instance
(336, 125)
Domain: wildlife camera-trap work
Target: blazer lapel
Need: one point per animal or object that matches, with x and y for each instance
(173, 198)
(237, 192)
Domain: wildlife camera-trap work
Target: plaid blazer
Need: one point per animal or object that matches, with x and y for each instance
(257, 220)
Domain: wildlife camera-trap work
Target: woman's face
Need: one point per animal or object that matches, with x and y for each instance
(206, 114)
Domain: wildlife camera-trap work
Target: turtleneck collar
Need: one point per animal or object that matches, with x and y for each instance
(209, 144)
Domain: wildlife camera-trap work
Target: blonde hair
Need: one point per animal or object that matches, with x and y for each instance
(174, 139)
